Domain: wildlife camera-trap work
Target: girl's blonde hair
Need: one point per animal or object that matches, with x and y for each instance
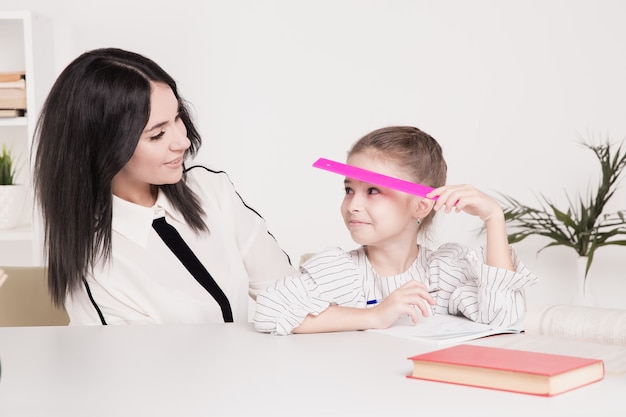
(412, 150)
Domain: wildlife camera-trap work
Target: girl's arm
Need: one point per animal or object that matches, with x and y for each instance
(408, 299)
(337, 319)
(328, 296)
(497, 247)
(468, 199)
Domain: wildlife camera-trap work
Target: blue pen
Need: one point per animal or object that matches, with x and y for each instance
(372, 302)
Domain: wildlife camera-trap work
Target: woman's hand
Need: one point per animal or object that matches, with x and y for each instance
(408, 299)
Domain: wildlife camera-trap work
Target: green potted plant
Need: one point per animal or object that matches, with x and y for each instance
(583, 225)
(7, 167)
(12, 195)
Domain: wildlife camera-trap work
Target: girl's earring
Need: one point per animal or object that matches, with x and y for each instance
(419, 221)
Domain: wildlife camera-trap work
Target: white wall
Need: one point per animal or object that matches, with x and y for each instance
(508, 88)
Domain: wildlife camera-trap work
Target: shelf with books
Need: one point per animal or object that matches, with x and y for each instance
(25, 56)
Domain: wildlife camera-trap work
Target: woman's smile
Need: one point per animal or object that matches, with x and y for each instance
(175, 163)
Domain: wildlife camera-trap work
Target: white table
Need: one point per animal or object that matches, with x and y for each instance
(231, 370)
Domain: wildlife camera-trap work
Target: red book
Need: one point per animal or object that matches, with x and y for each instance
(507, 369)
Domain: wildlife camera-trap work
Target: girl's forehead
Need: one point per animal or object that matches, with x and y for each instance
(375, 163)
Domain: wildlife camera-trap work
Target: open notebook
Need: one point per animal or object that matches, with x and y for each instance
(444, 329)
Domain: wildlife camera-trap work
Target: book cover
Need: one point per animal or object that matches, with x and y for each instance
(507, 369)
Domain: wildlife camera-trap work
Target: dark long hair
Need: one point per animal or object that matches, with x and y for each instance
(87, 131)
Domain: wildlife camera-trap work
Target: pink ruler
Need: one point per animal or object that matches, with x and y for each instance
(373, 177)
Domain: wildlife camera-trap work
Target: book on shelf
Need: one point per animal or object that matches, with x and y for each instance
(591, 324)
(513, 370)
(11, 113)
(444, 329)
(12, 91)
(17, 84)
(8, 76)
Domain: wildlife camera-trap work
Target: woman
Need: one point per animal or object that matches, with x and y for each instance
(109, 172)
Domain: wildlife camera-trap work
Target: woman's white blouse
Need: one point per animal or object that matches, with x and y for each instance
(144, 282)
(461, 281)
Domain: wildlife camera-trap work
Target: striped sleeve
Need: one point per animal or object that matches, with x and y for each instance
(330, 277)
(482, 293)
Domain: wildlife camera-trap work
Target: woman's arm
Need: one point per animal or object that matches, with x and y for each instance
(264, 260)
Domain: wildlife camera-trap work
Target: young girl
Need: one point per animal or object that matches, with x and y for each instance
(390, 274)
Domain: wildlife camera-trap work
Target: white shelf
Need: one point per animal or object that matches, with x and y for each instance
(20, 233)
(14, 121)
(15, 14)
(25, 45)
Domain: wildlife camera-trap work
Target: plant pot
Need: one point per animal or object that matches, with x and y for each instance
(583, 296)
(12, 200)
